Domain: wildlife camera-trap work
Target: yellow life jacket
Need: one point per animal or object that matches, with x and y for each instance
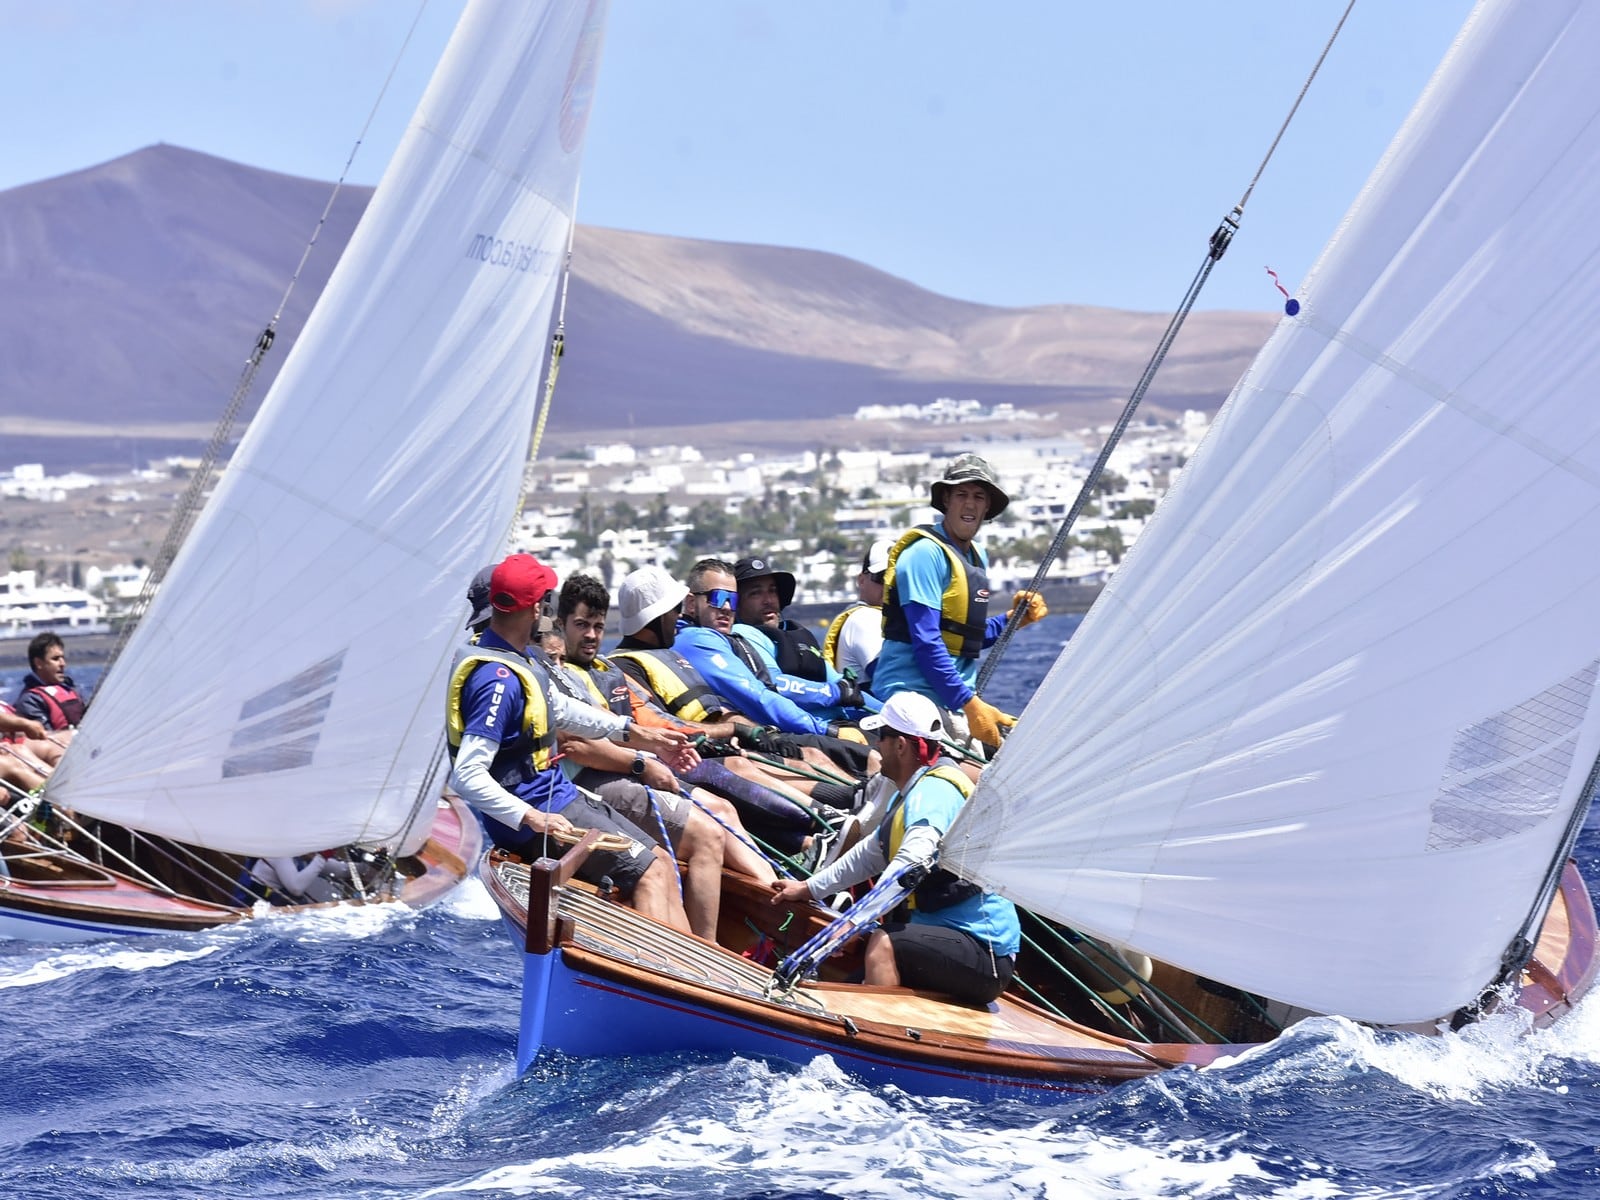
(941, 888)
(963, 608)
(606, 685)
(830, 642)
(673, 679)
(536, 724)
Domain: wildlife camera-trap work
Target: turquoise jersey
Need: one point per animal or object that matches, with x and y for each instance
(922, 572)
(937, 802)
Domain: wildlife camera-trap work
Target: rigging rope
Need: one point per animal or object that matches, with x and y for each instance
(189, 503)
(1215, 249)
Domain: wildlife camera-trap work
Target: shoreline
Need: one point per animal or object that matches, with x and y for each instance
(95, 648)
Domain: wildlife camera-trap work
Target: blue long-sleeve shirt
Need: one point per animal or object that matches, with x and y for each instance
(724, 671)
(820, 698)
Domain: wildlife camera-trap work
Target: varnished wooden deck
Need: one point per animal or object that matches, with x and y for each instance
(604, 931)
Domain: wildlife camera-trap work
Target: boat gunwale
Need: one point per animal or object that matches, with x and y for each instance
(128, 903)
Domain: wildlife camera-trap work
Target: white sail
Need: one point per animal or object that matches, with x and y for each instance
(284, 691)
(1322, 735)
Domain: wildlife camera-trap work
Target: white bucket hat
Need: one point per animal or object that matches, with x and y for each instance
(646, 594)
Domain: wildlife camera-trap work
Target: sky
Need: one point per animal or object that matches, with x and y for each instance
(1015, 153)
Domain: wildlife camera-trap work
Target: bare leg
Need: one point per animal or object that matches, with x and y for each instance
(49, 748)
(702, 848)
(656, 894)
(16, 771)
(880, 965)
(737, 855)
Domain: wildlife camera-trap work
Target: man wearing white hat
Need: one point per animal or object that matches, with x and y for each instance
(958, 939)
(855, 637)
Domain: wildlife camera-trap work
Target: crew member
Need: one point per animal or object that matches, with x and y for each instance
(501, 720)
(957, 938)
(48, 694)
(936, 605)
(855, 638)
(784, 654)
(764, 592)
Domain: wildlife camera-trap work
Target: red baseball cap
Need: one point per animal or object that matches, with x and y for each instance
(519, 582)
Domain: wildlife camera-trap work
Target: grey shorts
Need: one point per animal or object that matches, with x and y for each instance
(646, 807)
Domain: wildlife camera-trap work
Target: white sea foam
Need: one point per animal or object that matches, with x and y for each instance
(106, 956)
(1483, 1059)
(470, 901)
(365, 1142)
(817, 1129)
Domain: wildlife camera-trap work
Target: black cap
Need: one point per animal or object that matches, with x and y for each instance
(759, 568)
(478, 596)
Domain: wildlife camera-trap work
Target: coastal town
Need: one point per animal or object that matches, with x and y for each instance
(79, 546)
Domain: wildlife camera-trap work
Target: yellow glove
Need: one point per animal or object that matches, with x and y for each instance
(851, 734)
(1026, 608)
(985, 721)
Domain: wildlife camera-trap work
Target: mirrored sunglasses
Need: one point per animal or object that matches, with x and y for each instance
(720, 597)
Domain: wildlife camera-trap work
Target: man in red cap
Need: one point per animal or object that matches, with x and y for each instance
(501, 723)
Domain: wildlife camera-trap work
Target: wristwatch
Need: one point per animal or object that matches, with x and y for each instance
(636, 767)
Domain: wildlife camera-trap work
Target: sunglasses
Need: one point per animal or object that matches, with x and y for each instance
(720, 597)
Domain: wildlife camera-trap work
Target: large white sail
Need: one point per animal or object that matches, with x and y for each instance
(284, 691)
(1322, 735)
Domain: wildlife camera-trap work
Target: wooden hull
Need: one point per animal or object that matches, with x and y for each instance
(92, 902)
(599, 980)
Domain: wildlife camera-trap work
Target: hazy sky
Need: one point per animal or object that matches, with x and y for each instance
(1022, 152)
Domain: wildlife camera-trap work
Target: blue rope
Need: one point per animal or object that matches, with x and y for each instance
(666, 838)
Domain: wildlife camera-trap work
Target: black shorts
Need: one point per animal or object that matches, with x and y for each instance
(936, 958)
(852, 756)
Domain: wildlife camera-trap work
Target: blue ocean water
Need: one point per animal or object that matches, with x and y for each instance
(370, 1053)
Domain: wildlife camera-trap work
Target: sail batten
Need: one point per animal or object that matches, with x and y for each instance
(282, 693)
(1322, 734)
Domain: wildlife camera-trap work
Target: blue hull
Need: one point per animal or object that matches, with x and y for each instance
(585, 1016)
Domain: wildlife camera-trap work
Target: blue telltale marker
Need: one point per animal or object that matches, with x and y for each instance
(1293, 307)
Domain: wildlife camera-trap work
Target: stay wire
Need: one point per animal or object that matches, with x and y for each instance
(1221, 238)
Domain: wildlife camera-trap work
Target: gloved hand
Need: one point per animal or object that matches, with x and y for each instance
(767, 740)
(848, 732)
(985, 721)
(1026, 608)
(849, 693)
(711, 748)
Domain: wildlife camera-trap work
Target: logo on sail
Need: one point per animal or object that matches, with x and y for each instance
(1507, 773)
(278, 728)
(506, 252)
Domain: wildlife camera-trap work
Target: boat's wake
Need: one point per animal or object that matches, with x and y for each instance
(470, 901)
(740, 1128)
(28, 964)
(1498, 1053)
(46, 966)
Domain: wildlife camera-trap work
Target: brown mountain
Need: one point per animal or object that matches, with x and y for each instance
(131, 293)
